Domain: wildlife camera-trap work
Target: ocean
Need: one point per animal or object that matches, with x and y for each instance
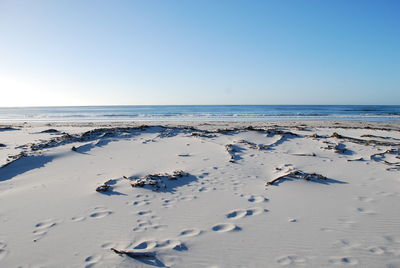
(374, 113)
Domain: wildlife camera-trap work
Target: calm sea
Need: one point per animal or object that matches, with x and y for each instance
(202, 113)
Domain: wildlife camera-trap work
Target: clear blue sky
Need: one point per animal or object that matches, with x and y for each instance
(199, 52)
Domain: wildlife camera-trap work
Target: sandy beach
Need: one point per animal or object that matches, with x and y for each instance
(204, 194)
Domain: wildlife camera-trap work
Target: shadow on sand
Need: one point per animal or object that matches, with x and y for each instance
(23, 165)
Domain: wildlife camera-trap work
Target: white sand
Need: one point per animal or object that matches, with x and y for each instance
(222, 215)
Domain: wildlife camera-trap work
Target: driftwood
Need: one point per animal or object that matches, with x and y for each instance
(133, 254)
(297, 174)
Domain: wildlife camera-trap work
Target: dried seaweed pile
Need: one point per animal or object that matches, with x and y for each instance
(157, 181)
(364, 142)
(253, 145)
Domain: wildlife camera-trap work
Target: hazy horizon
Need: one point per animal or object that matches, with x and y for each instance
(100, 53)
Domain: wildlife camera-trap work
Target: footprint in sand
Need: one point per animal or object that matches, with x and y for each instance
(100, 214)
(225, 227)
(141, 202)
(187, 198)
(343, 261)
(364, 199)
(108, 245)
(377, 250)
(43, 227)
(205, 189)
(346, 244)
(170, 244)
(392, 239)
(159, 227)
(145, 245)
(255, 198)
(78, 218)
(190, 232)
(92, 260)
(144, 213)
(168, 203)
(386, 194)
(291, 260)
(139, 229)
(148, 223)
(3, 250)
(365, 211)
(162, 244)
(236, 214)
(241, 213)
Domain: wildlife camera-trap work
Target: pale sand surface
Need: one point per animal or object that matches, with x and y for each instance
(221, 214)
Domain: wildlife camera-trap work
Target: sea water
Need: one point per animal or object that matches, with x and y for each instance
(378, 113)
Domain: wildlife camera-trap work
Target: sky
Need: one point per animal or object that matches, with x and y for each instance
(94, 52)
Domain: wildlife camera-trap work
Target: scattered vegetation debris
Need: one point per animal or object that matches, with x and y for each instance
(203, 135)
(156, 181)
(184, 155)
(339, 148)
(232, 150)
(297, 174)
(364, 142)
(104, 187)
(273, 132)
(253, 145)
(378, 137)
(380, 157)
(13, 158)
(316, 136)
(133, 254)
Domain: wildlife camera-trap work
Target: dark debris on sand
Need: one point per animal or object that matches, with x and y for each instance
(134, 254)
(297, 174)
(157, 181)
